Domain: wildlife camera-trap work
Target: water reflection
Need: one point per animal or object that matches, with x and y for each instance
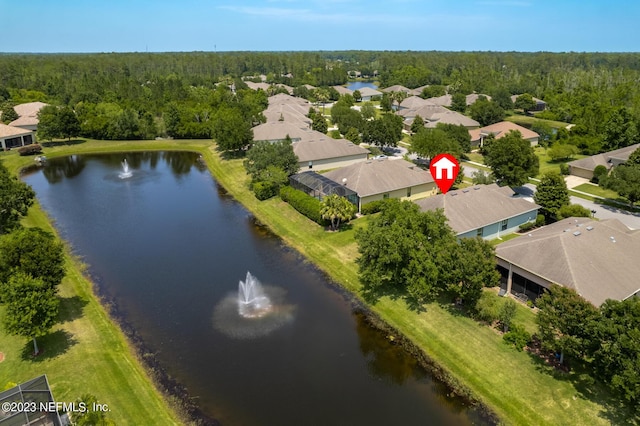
(66, 167)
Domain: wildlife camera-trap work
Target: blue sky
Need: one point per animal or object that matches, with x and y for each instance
(266, 25)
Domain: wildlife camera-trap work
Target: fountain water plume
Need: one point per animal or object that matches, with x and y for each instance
(125, 173)
(252, 300)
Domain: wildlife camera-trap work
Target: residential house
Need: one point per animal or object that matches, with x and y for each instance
(343, 90)
(486, 211)
(500, 130)
(398, 88)
(15, 137)
(257, 86)
(279, 130)
(368, 93)
(28, 115)
(446, 100)
(413, 102)
(418, 90)
(317, 151)
(540, 104)
(452, 117)
(597, 259)
(379, 179)
(585, 166)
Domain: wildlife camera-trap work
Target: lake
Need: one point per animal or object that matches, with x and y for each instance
(169, 247)
(357, 85)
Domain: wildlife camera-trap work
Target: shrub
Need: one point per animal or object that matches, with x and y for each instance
(303, 203)
(264, 190)
(540, 220)
(527, 226)
(598, 172)
(564, 169)
(517, 336)
(487, 308)
(372, 207)
(30, 149)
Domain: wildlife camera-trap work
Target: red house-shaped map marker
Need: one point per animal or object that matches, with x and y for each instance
(444, 169)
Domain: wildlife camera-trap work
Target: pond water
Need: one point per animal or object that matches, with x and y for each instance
(169, 247)
(357, 85)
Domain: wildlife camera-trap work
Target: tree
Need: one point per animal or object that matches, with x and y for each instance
(475, 269)
(353, 135)
(319, 123)
(8, 113)
(545, 131)
(15, 199)
(34, 252)
(486, 112)
(231, 130)
(383, 131)
(562, 151)
(459, 133)
(90, 417)
(625, 180)
(400, 252)
(616, 345)
(573, 210)
(502, 97)
(428, 143)
(551, 194)
(264, 153)
(31, 307)
(417, 125)
(480, 177)
(68, 123)
(48, 123)
(525, 102)
(458, 102)
(512, 159)
(357, 96)
(386, 102)
(599, 172)
(506, 313)
(398, 97)
(563, 320)
(620, 130)
(368, 111)
(336, 209)
(634, 158)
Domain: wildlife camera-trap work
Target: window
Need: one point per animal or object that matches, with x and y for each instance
(385, 196)
(504, 224)
(480, 232)
(311, 164)
(409, 192)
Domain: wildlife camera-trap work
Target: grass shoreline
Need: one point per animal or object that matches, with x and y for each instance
(466, 352)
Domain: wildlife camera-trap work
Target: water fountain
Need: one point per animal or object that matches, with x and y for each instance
(125, 173)
(252, 300)
(254, 311)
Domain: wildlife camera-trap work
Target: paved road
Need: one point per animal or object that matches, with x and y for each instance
(632, 220)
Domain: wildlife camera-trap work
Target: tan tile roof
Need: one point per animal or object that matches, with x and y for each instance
(472, 98)
(30, 109)
(478, 206)
(599, 264)
(504, 127)
(25, 121)
(256, 86)
(425, 111)
(397, 88)
(451, 117)
(343, 90)
(414, 102)
(277, 130)
(318, 146)
(380, 176)
(368, 91)
(444, 100)
(7, 131)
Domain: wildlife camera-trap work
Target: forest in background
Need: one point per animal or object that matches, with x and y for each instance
(144, 95)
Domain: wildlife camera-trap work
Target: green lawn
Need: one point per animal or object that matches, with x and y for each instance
(549, 165)
(597, 190)
(527, 121)
(517, 387)
(504, 238)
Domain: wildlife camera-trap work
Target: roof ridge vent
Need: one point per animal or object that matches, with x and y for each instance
(575, 234)
(589, 228)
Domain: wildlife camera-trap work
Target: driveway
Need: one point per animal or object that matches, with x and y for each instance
(632, 220)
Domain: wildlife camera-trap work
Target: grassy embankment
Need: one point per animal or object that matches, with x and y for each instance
(85, 351)
(519, 388)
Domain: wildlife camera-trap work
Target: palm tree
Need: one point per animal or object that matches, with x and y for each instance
(336, 209)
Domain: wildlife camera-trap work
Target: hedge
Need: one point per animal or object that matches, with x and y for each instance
(264, 190)
(30, 149)
(303, 203)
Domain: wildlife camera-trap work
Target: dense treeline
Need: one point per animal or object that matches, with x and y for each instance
(141, 92)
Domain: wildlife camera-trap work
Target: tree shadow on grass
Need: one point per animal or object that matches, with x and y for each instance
(232, 155)
(63, 143)
(51, 346)
(587, 388)
(70, 308)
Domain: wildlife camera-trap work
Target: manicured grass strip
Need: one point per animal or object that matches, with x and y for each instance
(527, 121)
(85, 353)
(549, 165)
(598, 191)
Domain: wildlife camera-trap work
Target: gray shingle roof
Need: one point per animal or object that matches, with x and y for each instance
(603, 159)
(318, 146)
(380, 176)
(277, 130)
(601, 262)
(478, 206)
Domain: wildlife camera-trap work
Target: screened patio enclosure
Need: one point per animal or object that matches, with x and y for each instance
(319, 186)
